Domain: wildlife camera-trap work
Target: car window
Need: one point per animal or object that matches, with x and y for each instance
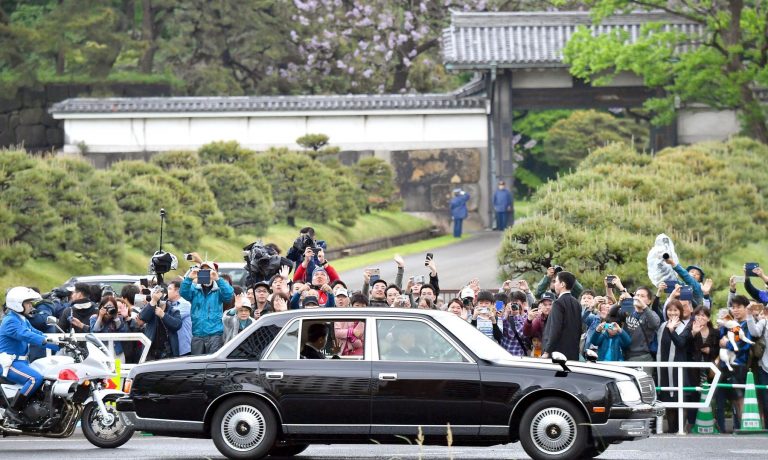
(288, 345)
(342, 338)
(254, 345)
(409, 340)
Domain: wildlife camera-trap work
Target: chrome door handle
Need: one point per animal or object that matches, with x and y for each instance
(387, 377)
(274, 375)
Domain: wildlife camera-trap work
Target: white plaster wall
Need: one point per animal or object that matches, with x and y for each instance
(359, 131)
(697, 125)
(542, 78)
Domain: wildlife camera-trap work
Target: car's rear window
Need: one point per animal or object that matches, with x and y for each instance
(255, 344)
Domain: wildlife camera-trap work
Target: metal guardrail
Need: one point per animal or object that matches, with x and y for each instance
(680, 404)
(109, 339)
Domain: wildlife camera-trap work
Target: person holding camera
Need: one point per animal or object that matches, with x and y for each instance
(314, 259)
(484, 316)
(207, 293)
(307, 244)
(610, 338)
(513, 320)
(536, 318)
(109, 320)
(161, 325)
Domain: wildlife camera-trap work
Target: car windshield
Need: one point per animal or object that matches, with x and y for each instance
(480, 344)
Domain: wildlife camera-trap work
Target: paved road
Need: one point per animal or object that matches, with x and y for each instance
(456, 263)
(723, 447)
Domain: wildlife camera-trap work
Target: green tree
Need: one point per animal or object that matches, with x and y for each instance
(377, 181)
(684, 192)
(178, 159)
(224, 152)
(570, 140)
(301, 187)
(722, 68)
(244, 199)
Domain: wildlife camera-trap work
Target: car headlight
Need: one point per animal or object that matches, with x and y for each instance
(628, 391)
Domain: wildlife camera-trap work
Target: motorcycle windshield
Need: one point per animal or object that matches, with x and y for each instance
(92, 339)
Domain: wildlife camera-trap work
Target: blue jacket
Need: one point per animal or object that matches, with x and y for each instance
(591, 321)
(16, 335)
(502, 200)
(459, 206)
(207, 308)
(698, 294)
(610, 348)
(171, 319)
(742, 356)
(110, 327)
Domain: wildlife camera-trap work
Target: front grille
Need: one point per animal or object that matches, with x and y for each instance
(647, 389)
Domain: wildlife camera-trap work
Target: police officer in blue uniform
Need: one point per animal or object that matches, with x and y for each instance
(16, 335)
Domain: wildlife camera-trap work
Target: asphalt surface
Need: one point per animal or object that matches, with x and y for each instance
(474, 257)
(725, 447)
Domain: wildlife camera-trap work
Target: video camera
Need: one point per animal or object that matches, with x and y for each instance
(305, 241)
(262, 262)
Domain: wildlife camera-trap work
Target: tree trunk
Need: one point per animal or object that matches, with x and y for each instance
(291, 220)
(400, 78)
(754, 115)
(60, 61)
(148, 34)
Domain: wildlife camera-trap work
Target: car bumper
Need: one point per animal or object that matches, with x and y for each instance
(628, 423)
(126, 408)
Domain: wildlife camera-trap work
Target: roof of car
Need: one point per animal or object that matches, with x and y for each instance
(335, 311)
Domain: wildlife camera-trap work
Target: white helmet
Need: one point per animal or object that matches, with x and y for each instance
(15, 298)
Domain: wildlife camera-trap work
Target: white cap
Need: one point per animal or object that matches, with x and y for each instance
(467, 293)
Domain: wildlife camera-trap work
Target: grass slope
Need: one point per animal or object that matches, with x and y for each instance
(47, 274)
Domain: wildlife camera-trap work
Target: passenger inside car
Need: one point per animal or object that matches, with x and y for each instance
(350, 337)
(404, 344)
(317, 336)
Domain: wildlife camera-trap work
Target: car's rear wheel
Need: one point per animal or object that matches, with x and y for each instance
(553, 429)
(244, 427)
(289, 450)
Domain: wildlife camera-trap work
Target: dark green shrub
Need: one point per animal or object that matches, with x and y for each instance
(604, 217)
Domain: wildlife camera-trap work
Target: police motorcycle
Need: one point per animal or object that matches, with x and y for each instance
(75, 389)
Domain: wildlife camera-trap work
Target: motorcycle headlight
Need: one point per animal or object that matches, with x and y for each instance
(628, 391)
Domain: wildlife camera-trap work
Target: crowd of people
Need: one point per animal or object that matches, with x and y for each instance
(198, 312)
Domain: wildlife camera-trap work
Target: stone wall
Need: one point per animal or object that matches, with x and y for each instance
(426, 179)
(24, 118)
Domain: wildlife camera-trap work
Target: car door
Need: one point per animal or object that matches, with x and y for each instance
(422, 378)
(318, 395)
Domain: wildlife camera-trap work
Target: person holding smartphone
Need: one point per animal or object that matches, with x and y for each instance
(513, 321)
(207, 300)
(484, 316)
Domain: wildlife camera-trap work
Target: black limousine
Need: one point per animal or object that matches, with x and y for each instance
(385, 375)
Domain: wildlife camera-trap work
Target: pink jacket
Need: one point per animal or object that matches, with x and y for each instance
(348, 337)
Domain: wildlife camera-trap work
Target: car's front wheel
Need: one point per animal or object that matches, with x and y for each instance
(244, 427)
(553, 429)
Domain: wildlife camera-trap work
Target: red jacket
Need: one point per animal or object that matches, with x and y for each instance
(301, 272)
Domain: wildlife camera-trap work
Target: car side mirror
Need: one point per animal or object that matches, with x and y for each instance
(591, 356)
(559, 358)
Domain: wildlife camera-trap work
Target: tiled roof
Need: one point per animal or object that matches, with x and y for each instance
(531, 40)
(268, 103)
